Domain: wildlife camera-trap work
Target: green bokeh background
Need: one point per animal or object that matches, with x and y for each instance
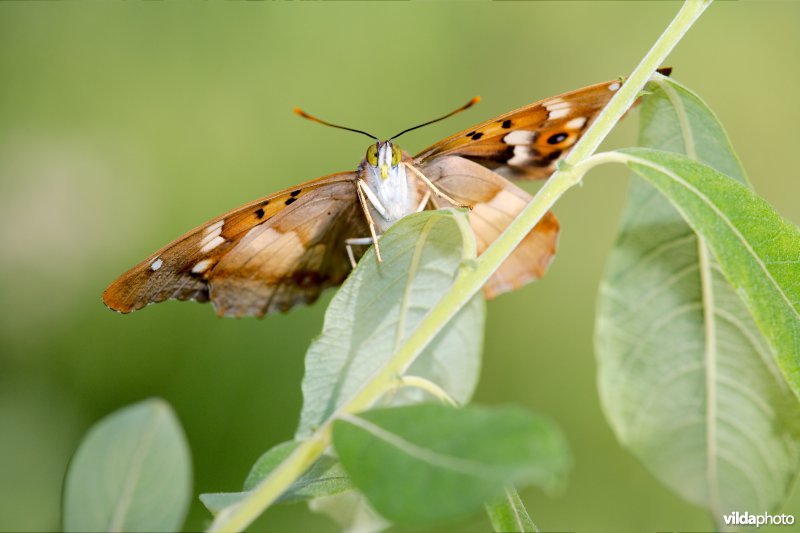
(124, 124)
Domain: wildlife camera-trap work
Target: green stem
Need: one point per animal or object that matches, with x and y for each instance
(428, 386)
(240, 515)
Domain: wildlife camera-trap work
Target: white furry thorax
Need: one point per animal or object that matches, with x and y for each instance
(392, 198)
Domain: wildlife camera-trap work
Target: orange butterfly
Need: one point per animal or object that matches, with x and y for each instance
(286, 248)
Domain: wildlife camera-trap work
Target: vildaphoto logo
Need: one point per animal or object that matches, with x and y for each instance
(764, 519)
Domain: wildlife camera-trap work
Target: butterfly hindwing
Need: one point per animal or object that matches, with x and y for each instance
(307, 223)
(495, 202)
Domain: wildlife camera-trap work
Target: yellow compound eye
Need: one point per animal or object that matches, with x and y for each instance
(397, 155)
(372, 155)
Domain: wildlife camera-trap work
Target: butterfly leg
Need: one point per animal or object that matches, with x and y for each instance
(436, 190)
(355, 241)
(362, 199)
(424, 203)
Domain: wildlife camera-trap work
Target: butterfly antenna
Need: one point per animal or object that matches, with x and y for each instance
(315, 119)
(450, 114)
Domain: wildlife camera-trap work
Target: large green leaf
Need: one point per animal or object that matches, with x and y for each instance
(132, 472)
(687, 379)
(759, 251)
(429, 463)
(380, 304)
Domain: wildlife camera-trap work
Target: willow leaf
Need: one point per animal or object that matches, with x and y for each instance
(380, 303)
(688, 380)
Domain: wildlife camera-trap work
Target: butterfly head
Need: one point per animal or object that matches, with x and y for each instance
(383, 157)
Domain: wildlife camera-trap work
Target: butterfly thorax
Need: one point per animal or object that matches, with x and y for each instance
(391, 195)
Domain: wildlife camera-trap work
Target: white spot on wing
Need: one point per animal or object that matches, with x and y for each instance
(212, 235)
(555, 102)
(155, 265)
(522, 155)
(211, 244)
(614, 86)
(202, 266)
(519, 137)
(576, 123)
(216, 227)
(558, 113)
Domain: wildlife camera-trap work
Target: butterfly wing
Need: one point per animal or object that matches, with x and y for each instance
(528, 142)
(495, 203)
(265, 256)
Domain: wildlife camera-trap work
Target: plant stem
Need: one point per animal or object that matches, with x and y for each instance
(240, 515)
(428, 386)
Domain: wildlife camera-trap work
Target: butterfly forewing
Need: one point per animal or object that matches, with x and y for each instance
(528, 142)
(276, 266)
(308, 223)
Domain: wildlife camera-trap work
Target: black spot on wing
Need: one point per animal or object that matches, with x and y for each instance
(295, 193)
(506, 124)
(557, 138)
(507, 154)
(260, 213)
(308, 278)
(290, 200)
(552, 156)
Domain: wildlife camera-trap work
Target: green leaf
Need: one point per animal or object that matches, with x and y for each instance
(687, 380)
(507, 513)
(675, 119)
(217, 501)
(326, 477)
(380, 304)
(759, 251)
(431, 463)
(132, 472)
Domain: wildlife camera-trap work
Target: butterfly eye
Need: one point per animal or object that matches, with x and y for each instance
(372, 155)
(397, 155)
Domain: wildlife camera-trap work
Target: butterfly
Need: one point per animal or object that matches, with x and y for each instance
(286, 248)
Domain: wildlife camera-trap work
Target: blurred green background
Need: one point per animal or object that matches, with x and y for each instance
(124, 124)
